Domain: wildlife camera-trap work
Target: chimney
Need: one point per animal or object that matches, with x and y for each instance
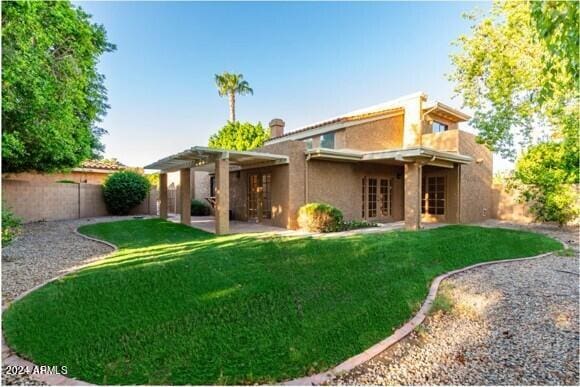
(277, 127)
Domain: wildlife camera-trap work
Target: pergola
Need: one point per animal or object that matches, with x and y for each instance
(219, 161)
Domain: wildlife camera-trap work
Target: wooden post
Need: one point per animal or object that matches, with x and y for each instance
(413, 177)
(163, 195)
(185, 195)
(222, 208)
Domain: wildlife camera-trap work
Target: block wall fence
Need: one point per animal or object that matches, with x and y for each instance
(44, 201)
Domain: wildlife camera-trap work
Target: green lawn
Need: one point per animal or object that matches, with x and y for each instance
(179, 306)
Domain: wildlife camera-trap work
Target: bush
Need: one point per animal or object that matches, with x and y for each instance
(356, 224)
(124, 190)
(10, 225)
(319, 217)
(199, 208)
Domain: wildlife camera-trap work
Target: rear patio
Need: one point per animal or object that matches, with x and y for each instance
(208, 224)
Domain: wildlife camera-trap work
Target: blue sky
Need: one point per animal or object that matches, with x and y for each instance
(305, 62)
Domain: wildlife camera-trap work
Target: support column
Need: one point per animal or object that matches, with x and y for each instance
(163, 195)
(185, 191)
(222, 192)
(413, 176)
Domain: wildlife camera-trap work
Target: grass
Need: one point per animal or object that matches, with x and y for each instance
(442, 303)
(179, 306)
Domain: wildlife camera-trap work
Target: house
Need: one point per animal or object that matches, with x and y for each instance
(90, 172)
(405, 159)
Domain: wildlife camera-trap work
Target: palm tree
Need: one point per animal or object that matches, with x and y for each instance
(231, 84)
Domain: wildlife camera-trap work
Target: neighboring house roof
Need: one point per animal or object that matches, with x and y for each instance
(371, 113)
(101, 166)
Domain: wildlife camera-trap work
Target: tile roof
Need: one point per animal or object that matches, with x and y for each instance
(112, 165)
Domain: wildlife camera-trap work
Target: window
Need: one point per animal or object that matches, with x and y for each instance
(364, 196)
(433, 195)
(372, 198)
(327, 140)
(438, 127)
(260, 196)
(308, 143)
(386, 205)
(267, 196)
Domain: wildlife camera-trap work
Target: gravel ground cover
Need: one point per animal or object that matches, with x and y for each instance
(513, 323)
(43, 251)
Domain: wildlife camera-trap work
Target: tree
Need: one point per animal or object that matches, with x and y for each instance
(519, 72)
(239, 136)
(545, 183)
(52, 94)
(231, 84)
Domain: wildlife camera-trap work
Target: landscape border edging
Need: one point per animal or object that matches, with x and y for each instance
(10, 358)
(400, 333)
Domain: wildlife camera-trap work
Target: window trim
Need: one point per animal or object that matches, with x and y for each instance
(439, 182)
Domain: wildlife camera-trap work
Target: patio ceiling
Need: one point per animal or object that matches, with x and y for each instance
(203, 158)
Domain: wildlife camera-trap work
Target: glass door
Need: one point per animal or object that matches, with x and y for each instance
(376, 197)
(259, 196)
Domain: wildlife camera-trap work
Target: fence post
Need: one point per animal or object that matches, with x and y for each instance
(79, 199)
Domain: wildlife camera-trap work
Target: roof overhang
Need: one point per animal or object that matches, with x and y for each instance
(203, 158)
(427, 156)
(446, 111)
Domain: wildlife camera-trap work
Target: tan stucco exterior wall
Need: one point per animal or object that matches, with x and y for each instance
(76, 176)
(476, 180)
(451, 176)
(340, 184)
(506, 206)
(44, 201)
(377, 135)
(288, 188)
(386, 133)
(447, 141)
(239, 182)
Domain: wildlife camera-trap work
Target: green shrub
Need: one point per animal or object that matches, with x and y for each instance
(10, 225)
(356, 224)
(124, 190)
(319, 217)
(199, 208)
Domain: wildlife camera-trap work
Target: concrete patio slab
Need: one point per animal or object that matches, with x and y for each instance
(207, 223)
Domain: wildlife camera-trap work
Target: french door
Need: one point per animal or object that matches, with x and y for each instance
(259, 196)
(376, 197)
